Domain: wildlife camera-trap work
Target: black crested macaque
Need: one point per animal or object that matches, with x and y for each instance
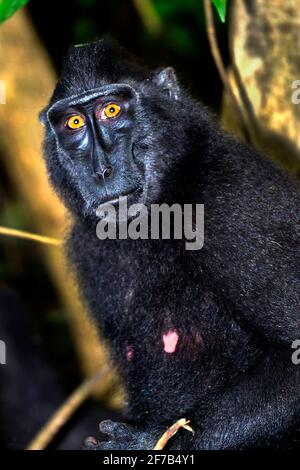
(204, 334)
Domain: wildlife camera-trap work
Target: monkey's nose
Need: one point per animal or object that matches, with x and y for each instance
(106, 173)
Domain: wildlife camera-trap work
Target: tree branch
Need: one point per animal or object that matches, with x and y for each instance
(12, 232)
(215, 51)
(171, 431)
(66, 410)
(149, 16)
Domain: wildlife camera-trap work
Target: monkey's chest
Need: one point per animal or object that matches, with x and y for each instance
(156, 310)
(156, 307)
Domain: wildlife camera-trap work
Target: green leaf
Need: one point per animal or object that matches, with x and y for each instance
(221, 8)
(9, 7)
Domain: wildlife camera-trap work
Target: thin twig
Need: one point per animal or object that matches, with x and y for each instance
(11, 232)
(149, 16)
(215, 51)
(171, 431)
(66, 410)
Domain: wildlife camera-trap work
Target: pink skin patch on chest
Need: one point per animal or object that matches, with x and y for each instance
(129, 353)
(170, 340)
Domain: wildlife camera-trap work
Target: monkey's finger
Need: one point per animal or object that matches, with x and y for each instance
(90, 443)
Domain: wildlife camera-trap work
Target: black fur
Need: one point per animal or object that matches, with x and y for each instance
(235, 304)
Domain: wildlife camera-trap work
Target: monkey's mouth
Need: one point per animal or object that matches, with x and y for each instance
(122, 197)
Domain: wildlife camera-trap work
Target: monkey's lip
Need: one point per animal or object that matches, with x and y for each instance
(119, 198)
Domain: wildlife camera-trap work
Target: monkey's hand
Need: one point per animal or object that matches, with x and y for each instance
(123, 436)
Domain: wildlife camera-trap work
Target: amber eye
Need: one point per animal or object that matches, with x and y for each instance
(111, 110)
(75, 122)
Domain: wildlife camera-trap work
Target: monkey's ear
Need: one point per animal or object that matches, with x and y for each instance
(166, 80)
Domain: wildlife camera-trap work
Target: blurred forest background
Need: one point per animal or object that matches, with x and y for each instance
(259, 45)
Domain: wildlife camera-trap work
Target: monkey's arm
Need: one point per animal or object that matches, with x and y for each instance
(252, 234)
